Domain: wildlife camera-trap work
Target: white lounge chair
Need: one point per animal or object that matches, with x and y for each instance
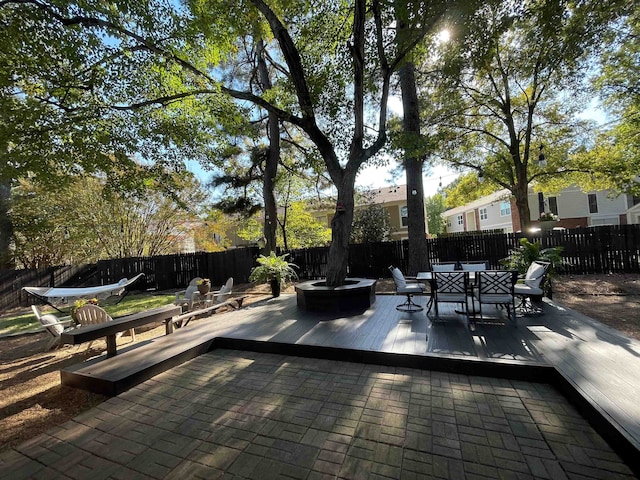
(90, 314)
(189, 295)
(52, 325)
(221, 295)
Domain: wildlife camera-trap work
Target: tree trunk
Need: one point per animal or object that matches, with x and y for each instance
(340, 232)
(413, 170)
(6, 226)
(521, 195)
(271, 163)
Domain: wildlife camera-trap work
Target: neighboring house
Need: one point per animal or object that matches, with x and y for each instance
(394, 200)
(492, 212)
(573, 207)
(633, 214)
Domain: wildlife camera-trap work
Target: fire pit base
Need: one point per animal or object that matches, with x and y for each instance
(355, 294)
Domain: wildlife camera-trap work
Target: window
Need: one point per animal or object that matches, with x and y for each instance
(593, 203)
(605, 221)
(553, 205)
(540, 203)
(483, 214)
(404, 216)
(460, 220)
(449, 222)
(505, 209)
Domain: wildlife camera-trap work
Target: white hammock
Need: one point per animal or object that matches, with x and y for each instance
(66, 294)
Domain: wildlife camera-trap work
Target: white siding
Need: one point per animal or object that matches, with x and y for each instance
(492, 222)
(573, 203)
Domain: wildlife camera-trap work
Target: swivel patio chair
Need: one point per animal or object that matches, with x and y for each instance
(408, 289)
(531, 286)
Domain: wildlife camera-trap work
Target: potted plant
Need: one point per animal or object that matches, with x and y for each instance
(204, 285)
(275, 270)
(547, 221)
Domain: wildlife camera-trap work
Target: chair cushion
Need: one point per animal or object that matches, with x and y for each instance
(443, 268)
(495, 298)
(473, 267)
(398, 278)
(523, 289)
(534, 274)
(452, 297)
(52, 324)
(411, 288)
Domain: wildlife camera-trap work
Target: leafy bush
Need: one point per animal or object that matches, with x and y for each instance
(521, 257)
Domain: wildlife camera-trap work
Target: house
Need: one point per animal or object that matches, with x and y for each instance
(394, 200)
(633, 214)
(573, 207)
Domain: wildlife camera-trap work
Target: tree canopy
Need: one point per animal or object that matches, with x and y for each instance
(129, 91)
(86, 222)
(513, 88)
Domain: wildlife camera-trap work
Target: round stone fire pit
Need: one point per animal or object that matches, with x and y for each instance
(355, 294)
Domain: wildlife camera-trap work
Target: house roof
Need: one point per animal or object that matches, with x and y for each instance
(498, 196)
(634, 209)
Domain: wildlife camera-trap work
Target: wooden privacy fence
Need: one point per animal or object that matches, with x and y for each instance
(610, 249)
(605, 249)
(12, 281)
(165, 272)
(168, 272)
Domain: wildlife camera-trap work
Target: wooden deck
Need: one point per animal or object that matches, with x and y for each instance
(594, 365)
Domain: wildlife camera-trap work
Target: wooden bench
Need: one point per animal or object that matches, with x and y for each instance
(183, 319)
(111, 329)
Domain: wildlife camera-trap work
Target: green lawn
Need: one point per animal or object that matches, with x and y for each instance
(27, 322)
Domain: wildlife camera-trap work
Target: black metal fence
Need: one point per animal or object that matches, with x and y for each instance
(610, 249)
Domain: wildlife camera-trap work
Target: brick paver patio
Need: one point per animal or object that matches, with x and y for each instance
(232, 414)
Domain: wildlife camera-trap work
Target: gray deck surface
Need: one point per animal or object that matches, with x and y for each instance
(601, 363)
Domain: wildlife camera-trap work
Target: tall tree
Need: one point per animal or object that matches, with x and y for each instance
(508, 90)
(435, 206)
(372, 62)
(413, 159)
(334, 59)
(614, 156)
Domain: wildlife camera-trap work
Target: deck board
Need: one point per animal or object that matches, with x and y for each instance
(598, 361)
